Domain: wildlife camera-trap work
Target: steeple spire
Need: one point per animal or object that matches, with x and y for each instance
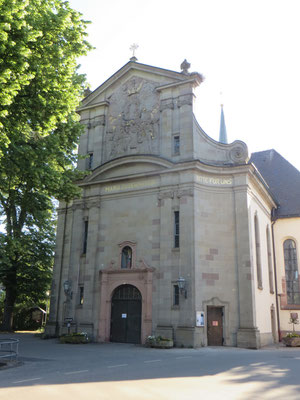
(223, 133)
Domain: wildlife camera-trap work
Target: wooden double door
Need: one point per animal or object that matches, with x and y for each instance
(214, 326)
(126, 310)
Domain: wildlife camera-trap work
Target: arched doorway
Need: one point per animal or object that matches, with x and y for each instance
(126, 310)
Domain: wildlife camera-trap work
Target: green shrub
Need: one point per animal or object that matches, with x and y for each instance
(74, 338)
(292, 334)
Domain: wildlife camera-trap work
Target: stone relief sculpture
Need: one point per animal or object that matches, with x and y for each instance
(133, 120)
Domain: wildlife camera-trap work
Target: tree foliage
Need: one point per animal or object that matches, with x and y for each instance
(39, 131)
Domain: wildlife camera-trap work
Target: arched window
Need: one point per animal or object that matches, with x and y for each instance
(257, 250)
(270, 264)
(291, 272)
(126, 259)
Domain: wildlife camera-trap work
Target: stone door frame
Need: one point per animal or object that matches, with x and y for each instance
(219, 318)
(216, 302)
(110, 279)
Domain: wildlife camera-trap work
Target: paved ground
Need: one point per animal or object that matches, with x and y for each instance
(54, 371)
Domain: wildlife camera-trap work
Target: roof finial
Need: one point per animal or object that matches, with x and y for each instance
(223, 132)
(184, 67)
(133, 48)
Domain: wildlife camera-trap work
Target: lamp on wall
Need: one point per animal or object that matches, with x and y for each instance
(181, 284)
(67, 289)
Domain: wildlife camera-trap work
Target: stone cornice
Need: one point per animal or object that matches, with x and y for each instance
(104, 103)
(194, 81)
(126, 270)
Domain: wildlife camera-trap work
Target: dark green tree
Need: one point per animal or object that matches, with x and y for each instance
(40, 131)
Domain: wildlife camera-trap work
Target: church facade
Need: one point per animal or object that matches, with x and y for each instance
(173, 233)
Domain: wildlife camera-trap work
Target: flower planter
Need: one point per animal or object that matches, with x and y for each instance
(73, 339)
(291, 341)
(163, 344)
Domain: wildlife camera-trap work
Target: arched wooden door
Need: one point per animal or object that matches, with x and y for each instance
(126, 310)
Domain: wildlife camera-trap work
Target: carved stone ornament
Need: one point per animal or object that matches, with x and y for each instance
(78, 206)
(184, 67)
(166, 195)
(93, 202)
(87, 203)
(238, 154)
(185, 192)
(133, 120)
(187, 99)
(98, 121)
(61, 211)
(166, 104)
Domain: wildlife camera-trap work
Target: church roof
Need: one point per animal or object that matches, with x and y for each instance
(283, 180)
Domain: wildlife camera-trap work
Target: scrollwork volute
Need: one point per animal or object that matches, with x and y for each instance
(239, 154)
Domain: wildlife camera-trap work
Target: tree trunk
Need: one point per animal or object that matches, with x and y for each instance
(8, 314)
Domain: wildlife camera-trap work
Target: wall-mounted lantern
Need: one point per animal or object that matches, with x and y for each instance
(182, 286)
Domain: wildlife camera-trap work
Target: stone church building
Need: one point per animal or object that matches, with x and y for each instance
(173, 234)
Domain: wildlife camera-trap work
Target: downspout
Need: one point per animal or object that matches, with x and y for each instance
(275, 273)
(60, 272)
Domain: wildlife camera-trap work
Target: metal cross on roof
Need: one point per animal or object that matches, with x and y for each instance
(133, 48)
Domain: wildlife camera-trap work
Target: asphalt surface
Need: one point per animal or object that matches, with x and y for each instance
(49, 370)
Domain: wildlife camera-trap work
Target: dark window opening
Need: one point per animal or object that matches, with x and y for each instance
(176, 229)
(176, 295)
(176, 145)
(85, 236)
(90, 160)
(81, 295)
(126, 257)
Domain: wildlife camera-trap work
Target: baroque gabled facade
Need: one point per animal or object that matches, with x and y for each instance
(173, 233)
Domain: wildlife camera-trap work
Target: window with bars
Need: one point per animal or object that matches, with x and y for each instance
(176, 229)
(291, 272)
(126, 292)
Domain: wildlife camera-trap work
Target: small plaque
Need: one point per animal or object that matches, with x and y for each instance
(200, 318)
(215, 323)
(124, 315)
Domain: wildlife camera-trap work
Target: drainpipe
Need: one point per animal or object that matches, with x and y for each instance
(60, 272)
(275, 274)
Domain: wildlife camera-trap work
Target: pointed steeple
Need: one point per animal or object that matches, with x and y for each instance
(223, 133)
